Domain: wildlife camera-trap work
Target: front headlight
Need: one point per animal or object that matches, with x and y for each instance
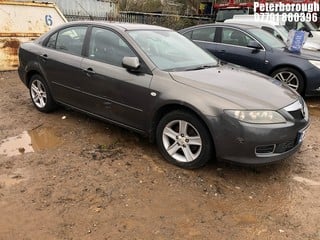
(257, 117)
(315, 63)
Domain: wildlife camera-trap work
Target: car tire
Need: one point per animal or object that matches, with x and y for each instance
(290, 76)
(40, 94)
(184, 140)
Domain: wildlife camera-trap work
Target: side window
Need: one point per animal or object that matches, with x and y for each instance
(204, 34)
(106, 46)
(234, 37)
(71, 40)
(52, 41)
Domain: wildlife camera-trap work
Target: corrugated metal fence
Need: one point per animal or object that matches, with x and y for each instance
(166, 20)
(87, 8)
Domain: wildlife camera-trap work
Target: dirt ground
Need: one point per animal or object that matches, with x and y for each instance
(67, 176)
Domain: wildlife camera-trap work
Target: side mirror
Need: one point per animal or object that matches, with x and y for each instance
(310, 35)
(254, 44)
(131, 63)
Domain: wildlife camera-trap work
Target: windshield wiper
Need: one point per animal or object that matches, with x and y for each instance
(200, 67)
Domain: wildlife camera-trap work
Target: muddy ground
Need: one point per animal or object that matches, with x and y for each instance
(85, 179)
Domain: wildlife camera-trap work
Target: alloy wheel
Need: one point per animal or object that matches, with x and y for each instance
(289, 78)
(182, 141)
(38, 94)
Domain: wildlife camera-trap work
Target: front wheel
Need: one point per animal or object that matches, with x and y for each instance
(291, 77)
(40, 94)
(184, 140)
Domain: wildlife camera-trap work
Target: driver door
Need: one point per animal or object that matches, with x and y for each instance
(232, 47)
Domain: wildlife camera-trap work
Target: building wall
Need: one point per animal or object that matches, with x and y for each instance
(92, 8)
(85, 8)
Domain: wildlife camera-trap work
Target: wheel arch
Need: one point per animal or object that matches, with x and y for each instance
(165, 109)
(30, 74)
(275, 68)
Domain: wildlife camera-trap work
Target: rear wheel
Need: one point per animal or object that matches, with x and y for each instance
(291, 77)
(184, 140)
(40, 94)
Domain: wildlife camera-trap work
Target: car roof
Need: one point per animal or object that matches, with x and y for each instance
(255, 19)
(238, 25)
(253, 22)
(118, 25)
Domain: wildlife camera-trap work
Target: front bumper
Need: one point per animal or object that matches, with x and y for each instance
(256, 144)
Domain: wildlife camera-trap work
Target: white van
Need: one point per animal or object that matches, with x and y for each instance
(278, 29)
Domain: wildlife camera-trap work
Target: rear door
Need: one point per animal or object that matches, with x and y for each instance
(61, 60)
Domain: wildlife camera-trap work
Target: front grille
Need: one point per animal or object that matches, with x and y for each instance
(284, 147)
(297, 114)
(265, 149)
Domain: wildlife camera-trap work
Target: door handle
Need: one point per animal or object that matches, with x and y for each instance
(44, 57)
(89, 71)
(221, 51)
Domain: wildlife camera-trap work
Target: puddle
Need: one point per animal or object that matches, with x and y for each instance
(43, 138)
(12, 179)
(29, 141)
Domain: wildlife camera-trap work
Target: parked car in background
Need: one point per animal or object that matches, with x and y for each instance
(155, 81)
(310, 27)
(225, 13)
(281, 29)
(257, 49)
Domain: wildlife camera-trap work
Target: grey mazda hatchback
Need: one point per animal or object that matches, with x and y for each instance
(156, 82)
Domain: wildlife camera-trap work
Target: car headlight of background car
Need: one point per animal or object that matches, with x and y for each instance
(315, 63)
(257, 117)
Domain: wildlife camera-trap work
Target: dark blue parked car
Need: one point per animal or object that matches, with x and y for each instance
(257, 49)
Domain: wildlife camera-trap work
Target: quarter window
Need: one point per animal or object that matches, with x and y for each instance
(52, 41)
(106, 46)
(188, 34)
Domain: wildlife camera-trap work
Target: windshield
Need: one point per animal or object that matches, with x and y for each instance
(267, 38)
(170, 51)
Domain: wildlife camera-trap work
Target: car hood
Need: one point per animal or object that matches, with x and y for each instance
(304, 54)
(245, 88)
(315, 46)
